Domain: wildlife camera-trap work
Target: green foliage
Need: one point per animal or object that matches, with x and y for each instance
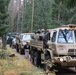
(3, 54)
(71, 3)
(67, 15)
(25, 73)
(46, 14)
(28, 16)
(42, 14)
(6, 2)
(3, 17)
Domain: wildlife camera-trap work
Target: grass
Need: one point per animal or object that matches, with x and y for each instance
(17, 65)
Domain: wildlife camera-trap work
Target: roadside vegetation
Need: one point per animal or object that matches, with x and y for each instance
(16, 65)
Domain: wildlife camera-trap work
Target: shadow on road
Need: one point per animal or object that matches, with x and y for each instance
(65, 71)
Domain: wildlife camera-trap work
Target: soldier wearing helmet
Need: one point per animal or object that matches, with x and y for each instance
(42, 31)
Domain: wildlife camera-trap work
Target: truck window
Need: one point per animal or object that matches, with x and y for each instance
(48, 36)
(65, 36)
(75, 34)
(53, 39)
(26, 37)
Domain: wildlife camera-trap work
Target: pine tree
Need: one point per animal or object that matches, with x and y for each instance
(3, 21)
(3, 17)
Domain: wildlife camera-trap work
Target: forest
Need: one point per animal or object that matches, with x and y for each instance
(31, 15)
(27, 16)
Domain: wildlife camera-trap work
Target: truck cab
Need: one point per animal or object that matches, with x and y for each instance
(63, 45)
(23, 38)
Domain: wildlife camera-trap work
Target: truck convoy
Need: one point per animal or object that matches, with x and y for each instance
(57, 45)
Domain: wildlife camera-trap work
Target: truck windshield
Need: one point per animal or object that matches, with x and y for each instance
(26, 37)
(65, 36)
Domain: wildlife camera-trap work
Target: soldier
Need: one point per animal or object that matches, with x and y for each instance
(17, 43)
(10, 41)
(27, 48)
(42, 31)
(46, 38)
(38, 32)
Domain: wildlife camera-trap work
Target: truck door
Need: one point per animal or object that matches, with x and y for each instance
(53, 40)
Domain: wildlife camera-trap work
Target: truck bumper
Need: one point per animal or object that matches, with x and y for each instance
(69, 64)
(66, 61)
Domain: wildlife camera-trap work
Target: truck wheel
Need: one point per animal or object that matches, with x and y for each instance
(48, 65)
(37, 59)
(46, 68)
(32, 57)
(17, 48)
(21, 51)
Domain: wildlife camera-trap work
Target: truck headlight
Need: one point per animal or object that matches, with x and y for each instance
(61, 59)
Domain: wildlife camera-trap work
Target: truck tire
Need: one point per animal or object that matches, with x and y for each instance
(21, 51)
(17, 47)
(47, 68)
(32, 56)
(37, 59)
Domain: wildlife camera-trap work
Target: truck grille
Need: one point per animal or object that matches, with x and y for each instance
(72, 52)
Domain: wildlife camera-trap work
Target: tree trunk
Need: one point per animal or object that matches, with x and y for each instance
(4, 42)
(32, 22)
(23, 15)
(59, 11)
(12, 16)
(18, 17)
(44, 14)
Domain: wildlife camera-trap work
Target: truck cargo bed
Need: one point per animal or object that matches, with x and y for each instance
(37, 44)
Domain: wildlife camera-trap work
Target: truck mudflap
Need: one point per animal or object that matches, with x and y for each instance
(66, 61)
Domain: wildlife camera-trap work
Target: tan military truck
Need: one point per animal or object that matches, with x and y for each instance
(57, 46)
(23, 38)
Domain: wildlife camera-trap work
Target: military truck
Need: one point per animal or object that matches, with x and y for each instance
(21, 41)
(58, 46)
